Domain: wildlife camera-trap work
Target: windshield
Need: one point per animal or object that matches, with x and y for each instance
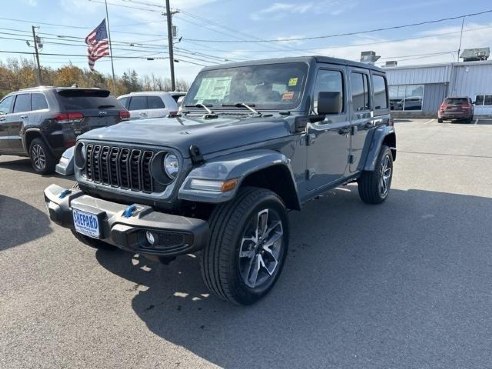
(272, 86)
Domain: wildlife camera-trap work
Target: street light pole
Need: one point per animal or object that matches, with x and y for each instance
(170, 42)
(37, 54)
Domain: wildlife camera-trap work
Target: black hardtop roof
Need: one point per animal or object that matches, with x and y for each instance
(305, 59)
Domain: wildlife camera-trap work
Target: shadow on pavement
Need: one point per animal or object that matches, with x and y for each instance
(404, 284)
(21, 165)
(29, 223)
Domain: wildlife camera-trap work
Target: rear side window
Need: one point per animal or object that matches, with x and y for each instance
(488, 100)
(39, 102)
(380, 92)
(22, 103)
(138, 103)
(155, 102)
(360, 92)
(87, 99)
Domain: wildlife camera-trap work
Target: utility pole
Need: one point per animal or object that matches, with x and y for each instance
(461, 38)
(170, 42)
(36, 39)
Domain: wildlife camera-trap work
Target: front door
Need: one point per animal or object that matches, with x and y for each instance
(17, 120)
(328, 140)
(5, 110)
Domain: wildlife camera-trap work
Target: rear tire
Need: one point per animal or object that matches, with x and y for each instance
(93, 242)
(247, 246)
(374, 186)
(42, 160)
(439, 120)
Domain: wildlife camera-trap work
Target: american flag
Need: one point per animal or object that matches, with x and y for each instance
(97, 42)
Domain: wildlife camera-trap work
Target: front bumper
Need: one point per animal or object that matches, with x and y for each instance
(174, 234)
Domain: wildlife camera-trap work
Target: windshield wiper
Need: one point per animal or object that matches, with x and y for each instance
(210, 113)
(244, 105)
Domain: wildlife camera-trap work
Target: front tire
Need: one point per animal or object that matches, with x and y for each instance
(439, 120)
(374, 186)
(248, 243)
(42, 160)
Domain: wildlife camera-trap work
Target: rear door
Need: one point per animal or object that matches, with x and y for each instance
(138, 107)
(361, 114)
(157, 107)
(87, 109)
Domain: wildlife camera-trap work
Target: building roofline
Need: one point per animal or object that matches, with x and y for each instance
(452, 64)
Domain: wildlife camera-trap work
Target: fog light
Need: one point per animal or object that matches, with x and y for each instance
(150, 237)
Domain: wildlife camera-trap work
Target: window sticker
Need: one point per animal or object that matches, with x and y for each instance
(288, 95)
(213, 88)
(293, 82)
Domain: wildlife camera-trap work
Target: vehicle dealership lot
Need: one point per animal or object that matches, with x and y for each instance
(405, 284)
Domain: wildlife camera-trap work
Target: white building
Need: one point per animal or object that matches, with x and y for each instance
(419, 90)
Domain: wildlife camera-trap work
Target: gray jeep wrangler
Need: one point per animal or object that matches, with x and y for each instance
(253, 141)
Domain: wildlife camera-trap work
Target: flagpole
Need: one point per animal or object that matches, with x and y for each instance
(110, 47)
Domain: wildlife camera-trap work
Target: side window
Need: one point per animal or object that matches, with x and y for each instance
(380, 92)
(328, 81)
(138, 103)
(488, 100)
(479, 100)
(38, 102)
(124, 101)
(360, 92)
(6, 104)
(22, 103)
(155, 102)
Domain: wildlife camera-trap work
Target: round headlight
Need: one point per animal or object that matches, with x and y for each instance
(171, 165)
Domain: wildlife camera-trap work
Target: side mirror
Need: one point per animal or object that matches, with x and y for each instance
(329, 103)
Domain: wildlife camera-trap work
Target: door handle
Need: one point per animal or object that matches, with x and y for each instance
(344, 131)
(2, 119)
(24, 116)
(369, 125)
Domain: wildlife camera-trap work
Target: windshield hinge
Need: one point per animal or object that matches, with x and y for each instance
(196, 156)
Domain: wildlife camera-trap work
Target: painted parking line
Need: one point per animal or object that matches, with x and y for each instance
(429, 121)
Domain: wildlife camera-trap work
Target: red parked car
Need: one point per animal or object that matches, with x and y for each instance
(456, 108)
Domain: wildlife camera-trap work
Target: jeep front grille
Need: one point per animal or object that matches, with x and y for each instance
(122, 167)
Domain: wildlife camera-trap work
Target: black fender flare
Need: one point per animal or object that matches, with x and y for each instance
(235, 166)
(378, 137)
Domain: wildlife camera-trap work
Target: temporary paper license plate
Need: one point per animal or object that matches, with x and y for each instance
(86, 223)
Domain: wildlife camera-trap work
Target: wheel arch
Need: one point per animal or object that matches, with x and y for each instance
(30, 135)
(382, 136)
(276, 178)
(260, 168)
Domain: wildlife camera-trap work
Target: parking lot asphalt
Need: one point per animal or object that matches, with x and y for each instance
(405, 284)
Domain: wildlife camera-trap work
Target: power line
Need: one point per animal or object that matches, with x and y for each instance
(353, 33)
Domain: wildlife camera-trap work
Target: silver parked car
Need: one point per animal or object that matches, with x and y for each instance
(149, 104)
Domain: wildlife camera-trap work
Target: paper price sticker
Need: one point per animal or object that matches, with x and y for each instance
(288, 95)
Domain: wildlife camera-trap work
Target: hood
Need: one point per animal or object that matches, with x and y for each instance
(209, 135)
